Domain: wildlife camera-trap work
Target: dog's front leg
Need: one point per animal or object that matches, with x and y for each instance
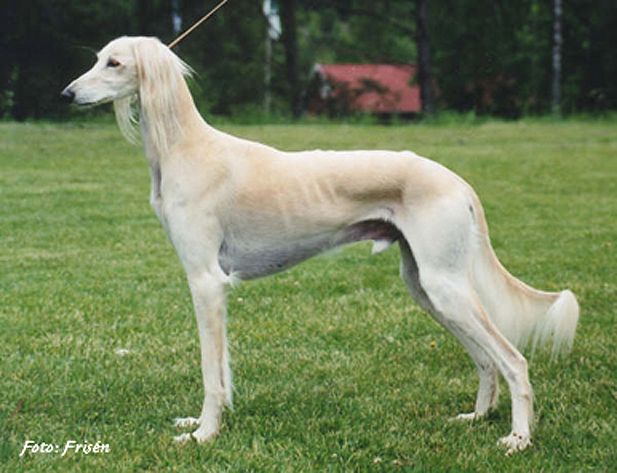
(209, 299)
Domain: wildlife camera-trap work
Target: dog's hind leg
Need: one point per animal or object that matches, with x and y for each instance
(442, 251)
(458, 310)
(209, 299)
(488, 393)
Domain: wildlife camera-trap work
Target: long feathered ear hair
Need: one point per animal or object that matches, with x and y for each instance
(127, 117)
(159, 71)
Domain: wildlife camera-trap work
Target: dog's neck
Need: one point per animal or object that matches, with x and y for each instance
(179, 125)
(166, 130)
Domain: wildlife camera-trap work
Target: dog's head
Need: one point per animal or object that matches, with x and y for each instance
(125, 67)
(129, 68)
(114, 75)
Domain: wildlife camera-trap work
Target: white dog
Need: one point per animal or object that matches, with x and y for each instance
(235, 209)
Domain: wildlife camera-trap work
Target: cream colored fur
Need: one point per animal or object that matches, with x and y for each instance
(235, 209)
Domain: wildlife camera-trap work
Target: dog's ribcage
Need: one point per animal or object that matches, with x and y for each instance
(301, 219)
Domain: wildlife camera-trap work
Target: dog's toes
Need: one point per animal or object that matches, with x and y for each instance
(183, 439)
(203, 435)
(186, 422)
(515, 442)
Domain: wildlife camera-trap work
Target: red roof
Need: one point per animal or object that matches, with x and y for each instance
(381, 88)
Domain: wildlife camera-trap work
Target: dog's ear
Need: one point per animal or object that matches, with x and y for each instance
(159, 71)
(156, 68)
(127, 117)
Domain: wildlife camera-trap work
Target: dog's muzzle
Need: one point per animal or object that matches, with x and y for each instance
(68, 95)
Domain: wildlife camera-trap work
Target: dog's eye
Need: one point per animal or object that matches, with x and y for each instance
(113, 63)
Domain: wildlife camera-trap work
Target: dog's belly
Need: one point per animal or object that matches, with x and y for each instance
(250, 257)
(260, 259)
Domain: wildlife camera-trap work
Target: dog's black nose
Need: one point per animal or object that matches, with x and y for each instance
(68, 95)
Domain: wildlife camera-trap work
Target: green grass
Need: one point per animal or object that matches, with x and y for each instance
(335, 367)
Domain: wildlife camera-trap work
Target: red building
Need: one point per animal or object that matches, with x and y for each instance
(385, 89)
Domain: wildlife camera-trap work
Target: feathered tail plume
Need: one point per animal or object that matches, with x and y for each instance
(524, 315)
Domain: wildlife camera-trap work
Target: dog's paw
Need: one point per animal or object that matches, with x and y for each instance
(199, 436)
(204, 434)
(515, 442)
(183, 439)
(468, 417)
(186, 422)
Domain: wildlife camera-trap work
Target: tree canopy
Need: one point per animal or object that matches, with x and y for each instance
(488, 57)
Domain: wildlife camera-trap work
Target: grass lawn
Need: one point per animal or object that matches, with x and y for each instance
(335, 367)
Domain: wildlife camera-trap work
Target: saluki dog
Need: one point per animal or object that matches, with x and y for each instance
(237, 210)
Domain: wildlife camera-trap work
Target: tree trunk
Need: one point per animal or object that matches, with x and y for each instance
(288, 19)
(557, 42)
(425, 75)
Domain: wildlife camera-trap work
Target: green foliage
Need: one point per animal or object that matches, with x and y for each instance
(228, 55)
(336, 369)
(492, 61)
(493, 58)
(46, 43)
(590, 61)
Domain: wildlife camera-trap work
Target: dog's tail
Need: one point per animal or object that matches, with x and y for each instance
(524, 315)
